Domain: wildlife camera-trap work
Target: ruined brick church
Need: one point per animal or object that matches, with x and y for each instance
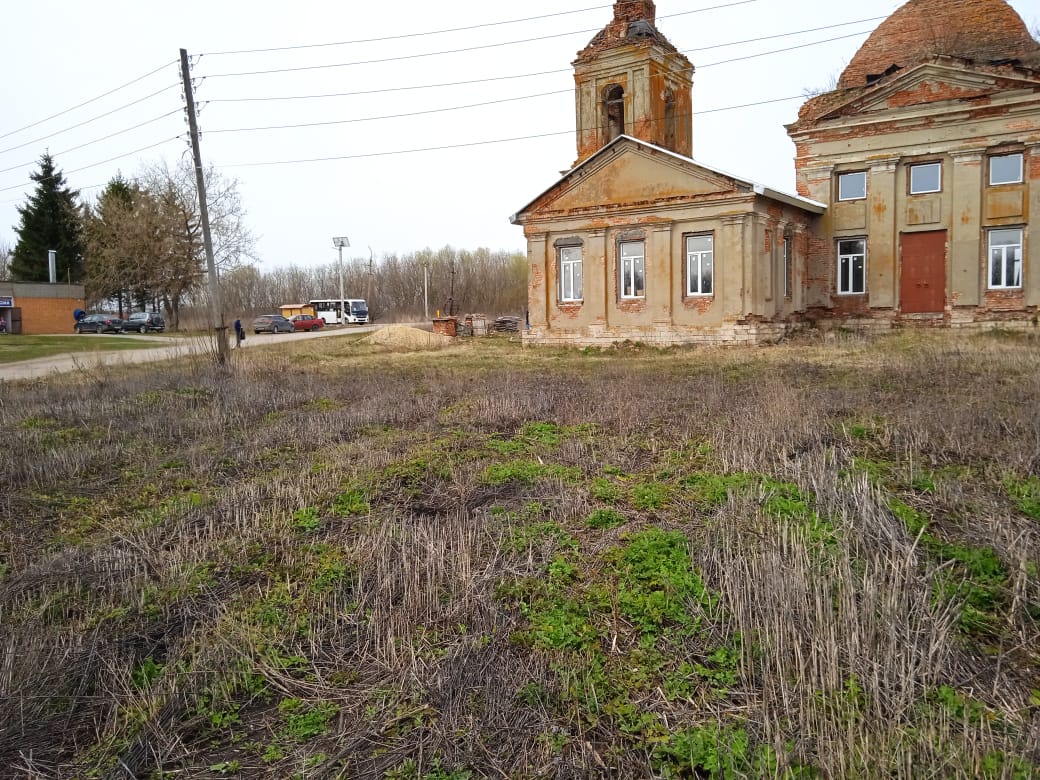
(918, 193)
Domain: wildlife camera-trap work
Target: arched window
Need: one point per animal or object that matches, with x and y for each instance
(669, 120)
(614, 111)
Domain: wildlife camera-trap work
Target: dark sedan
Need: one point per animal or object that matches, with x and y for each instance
(272, 323)
(99, 323)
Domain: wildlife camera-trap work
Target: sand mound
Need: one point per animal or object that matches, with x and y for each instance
(409, 338)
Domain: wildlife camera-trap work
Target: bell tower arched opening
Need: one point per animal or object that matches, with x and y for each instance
(631, 81)
(614, 112)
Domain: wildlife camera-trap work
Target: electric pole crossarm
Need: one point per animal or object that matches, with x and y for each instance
(216, 303)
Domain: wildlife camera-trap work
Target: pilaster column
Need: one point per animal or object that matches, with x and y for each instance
(1031, 271)
(882, 253)
(966, 254)
(539, 296)
(660, 271)
(733, 274)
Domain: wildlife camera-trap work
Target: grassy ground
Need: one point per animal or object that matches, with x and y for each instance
(16, 348)
(812, 560)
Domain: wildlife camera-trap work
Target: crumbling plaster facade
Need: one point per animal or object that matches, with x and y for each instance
(952, 118)
(918, 184)
(748, 275)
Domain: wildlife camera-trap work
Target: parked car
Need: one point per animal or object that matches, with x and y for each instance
(272, 323)
(307, 322)
(99, 323)
(144, 321)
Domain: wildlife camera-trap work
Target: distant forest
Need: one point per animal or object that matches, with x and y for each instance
(460, 280)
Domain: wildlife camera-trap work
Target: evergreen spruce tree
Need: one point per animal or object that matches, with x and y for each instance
(50, 220)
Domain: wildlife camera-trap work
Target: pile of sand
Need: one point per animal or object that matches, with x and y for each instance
(407, 338)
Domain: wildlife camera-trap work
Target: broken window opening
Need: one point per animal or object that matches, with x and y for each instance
(614, 112)
(669, 119)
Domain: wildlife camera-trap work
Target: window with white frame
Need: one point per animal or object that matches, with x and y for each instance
(700, 265)
(925, 178)
(1005, 258)
(632, 269)
(852, 186)
(788, 267)
(852, 266)
(569, 261)
(1005, 169)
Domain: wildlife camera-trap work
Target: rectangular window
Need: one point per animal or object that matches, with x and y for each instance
(788, 268)
(1005, 259)
(633, 284)
(1005, 169)
(925, 178)
(569, 258)
(852, 267)
(700, 265)
(852, 186)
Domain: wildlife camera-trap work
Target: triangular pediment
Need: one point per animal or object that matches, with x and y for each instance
(942, 81)
(629, 173)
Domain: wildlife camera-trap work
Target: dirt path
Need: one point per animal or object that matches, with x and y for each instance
(176, 347)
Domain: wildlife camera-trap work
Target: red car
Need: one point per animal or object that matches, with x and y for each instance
(307, 322)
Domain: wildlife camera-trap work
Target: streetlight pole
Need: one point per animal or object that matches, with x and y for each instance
(339, 242)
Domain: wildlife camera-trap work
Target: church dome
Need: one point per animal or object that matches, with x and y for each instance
(980, 30)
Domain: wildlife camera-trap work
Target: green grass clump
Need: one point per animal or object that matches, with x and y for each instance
(657, 582)
(648, 496)
(605, 518)
(527, 472)
(353, 501)
(1025, 493)
(604, 490)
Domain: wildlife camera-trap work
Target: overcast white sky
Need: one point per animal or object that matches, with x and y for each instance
(58, 54)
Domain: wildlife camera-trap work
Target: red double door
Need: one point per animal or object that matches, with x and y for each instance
(922, 281)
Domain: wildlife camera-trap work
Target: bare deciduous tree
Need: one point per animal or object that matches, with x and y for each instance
(180, 274)
(5, 261)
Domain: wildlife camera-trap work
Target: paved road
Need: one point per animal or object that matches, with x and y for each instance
(176, 346)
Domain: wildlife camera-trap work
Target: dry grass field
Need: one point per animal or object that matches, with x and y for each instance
(814, 560)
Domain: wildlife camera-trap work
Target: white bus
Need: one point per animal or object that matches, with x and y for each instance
(350, 311)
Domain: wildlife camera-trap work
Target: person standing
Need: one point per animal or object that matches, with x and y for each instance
(240, 335)
(3, 324)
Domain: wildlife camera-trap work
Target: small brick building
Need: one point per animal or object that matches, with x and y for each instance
(34, 308)
(918, 184)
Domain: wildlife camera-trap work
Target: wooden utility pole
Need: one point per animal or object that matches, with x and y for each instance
(216, 303)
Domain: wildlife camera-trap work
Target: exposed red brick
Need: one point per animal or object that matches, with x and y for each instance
(931, 92)
(700, 303)
(627, 13)
(982, 30)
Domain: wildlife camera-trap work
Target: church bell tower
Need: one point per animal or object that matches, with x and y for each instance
(631, 81)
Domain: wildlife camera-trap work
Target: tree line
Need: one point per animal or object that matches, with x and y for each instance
(138, 246)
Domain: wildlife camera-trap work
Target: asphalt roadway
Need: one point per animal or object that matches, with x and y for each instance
(176, 346)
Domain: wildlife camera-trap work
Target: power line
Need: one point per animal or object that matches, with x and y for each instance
(92, 100)
(503, 100)
(479, 143)
(537, 73)
(781, 51)
(88, 121)
(99, 140)
(388, 116)
(389, 89)
(405, 35)
(102, 162)
(455, 29)
(302, 68)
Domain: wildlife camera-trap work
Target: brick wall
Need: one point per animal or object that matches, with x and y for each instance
(982, 30)
(47, 315)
